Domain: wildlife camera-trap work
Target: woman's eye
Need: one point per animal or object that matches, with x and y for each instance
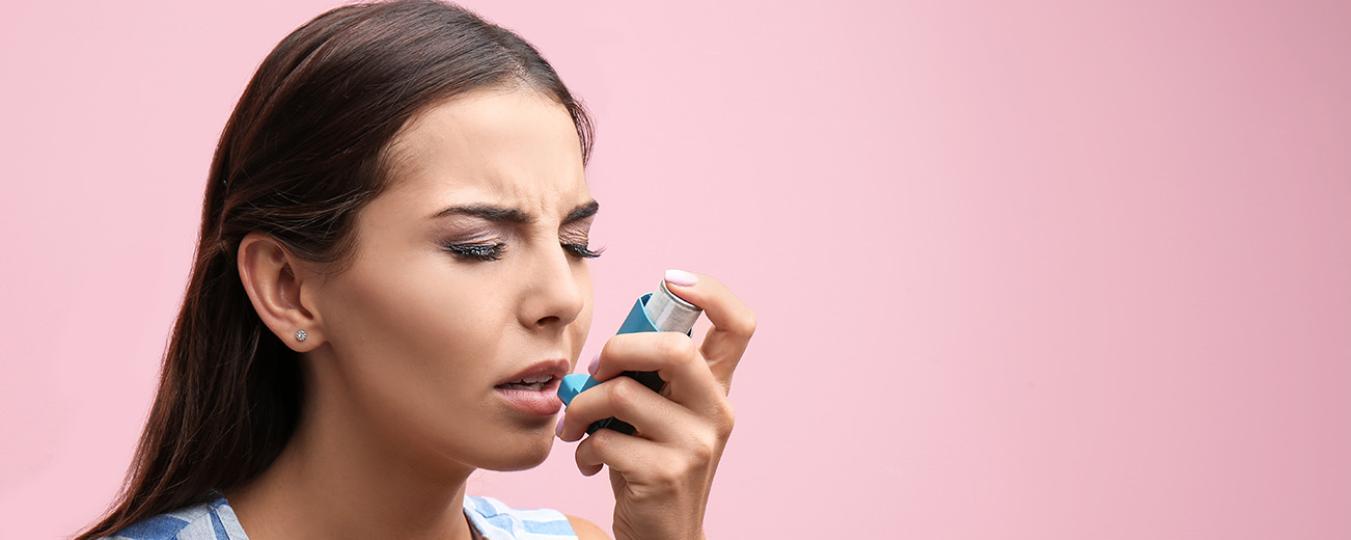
(477, 252)
(492, 252)
(581, 250)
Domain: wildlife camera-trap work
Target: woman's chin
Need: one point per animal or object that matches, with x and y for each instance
(527, 450)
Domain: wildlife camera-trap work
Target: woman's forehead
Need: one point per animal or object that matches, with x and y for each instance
(514, 148)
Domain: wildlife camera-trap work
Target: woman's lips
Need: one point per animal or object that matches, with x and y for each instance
(543, 402)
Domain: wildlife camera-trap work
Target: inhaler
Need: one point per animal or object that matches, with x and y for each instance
(660, 311)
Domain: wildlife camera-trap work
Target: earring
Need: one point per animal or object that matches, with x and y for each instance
(301, 335)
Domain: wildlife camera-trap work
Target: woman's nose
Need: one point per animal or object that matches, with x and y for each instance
(556, 295)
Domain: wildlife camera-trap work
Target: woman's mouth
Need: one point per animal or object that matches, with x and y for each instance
(534, 395)
(533, 383)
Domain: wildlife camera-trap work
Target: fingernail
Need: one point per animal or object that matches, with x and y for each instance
(558, 430)
(681, 277)
(595, 362)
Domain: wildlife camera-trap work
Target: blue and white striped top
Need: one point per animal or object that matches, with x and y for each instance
(215, 520)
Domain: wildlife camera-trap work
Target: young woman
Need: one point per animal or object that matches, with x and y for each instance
(393, 237)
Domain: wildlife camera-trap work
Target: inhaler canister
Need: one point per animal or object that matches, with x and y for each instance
(660, 311)
(670, 313)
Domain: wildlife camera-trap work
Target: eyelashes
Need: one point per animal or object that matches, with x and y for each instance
(493, 252)
(478, 252)
(583, 251)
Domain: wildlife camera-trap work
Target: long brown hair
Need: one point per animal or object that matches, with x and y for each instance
(304, 150)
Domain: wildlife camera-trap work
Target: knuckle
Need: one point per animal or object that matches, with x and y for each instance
(699, 461)
(748, 324)
(622, 393)
(702, 447)
(616, 396)
(703, 452)
(670, 472)
(677, 346)
(726, 418)
(598, 442)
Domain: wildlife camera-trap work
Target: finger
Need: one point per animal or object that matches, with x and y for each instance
(636, 458)
(655, 417)
(689, 381)
(733, 323)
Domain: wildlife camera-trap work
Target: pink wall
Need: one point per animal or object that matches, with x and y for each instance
(1045, 271)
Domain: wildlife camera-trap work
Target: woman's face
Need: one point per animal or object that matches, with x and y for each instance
(420, 336)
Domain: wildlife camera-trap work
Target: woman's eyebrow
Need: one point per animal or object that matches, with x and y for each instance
(502, 214)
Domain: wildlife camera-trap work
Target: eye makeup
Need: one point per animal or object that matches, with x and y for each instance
(478, 252)
(493, 251)
(573, 233)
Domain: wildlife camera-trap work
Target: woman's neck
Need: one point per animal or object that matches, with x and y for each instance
(342, 476)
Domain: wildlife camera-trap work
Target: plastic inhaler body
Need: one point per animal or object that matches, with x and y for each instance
(660, 311)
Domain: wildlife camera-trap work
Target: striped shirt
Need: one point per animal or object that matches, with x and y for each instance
(216, 520)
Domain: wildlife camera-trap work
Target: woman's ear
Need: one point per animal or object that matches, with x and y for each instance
(278, 285)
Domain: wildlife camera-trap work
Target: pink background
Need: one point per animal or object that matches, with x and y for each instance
(1034, 271)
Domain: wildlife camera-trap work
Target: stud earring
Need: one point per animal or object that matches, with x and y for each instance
(301, 335)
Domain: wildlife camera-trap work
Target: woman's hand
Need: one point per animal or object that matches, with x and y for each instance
(661, 475)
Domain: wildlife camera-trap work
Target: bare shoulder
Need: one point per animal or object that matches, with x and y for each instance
(585, 529)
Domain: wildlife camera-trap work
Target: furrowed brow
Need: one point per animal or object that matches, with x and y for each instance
(499, 214)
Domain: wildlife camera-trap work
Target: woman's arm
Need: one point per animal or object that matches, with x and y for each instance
(585, 529)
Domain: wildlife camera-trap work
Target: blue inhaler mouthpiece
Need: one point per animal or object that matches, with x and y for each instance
(661, 311)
